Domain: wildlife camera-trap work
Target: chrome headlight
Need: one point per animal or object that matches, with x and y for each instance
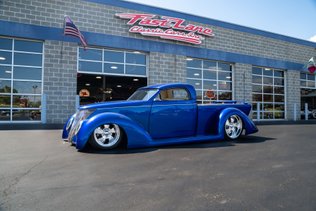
(83, 114)
(78, 126)
(86, 113)
(69, 123)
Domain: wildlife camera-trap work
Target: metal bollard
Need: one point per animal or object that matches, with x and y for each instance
(44, 109)
(306, 111)
(258, 111)
(295, 112)
(77, 102)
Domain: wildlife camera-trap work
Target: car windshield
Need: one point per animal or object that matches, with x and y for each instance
(143, 94)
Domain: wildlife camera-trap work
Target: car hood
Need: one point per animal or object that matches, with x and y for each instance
(113, 104)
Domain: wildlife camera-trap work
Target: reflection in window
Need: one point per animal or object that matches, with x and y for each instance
(30, 73)
(113, 56)
(206, 75)
(27, 87)
(5, 114)
(27, 59)
(26, 115)
(5, 86)
(90, 66)
(26, 101)
(5, 101)
(113, 68)
(21, 81)
(268, 91)
(90, 54)
(210, 74)
(5, 44)
(29, 46)
(308, 80)
(134, 58)
(113, 62)
(195, 63)
(194, 73)
(135, 70)
(5, 72)
(6, 57)
(174, 94)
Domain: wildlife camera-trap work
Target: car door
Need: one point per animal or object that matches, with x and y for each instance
(173, 114)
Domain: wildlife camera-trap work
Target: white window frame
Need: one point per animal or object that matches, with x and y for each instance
(217, 90)
(11, 94)
(103, 62)
(273, 94)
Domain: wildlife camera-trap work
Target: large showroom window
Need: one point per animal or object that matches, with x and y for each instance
(211, 79)
(112, 62)
(268, 91)
(108, 75)
(308, 95)
(21, 70)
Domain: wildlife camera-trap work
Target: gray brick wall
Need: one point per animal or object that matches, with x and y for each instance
(242, 79)
(60, 80)
(166, 68)
(100, 18)
(293, 94)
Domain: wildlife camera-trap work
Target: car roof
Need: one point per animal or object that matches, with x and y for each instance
(169, 85)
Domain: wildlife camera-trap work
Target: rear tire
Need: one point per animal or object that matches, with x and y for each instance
(106, 136)
(233, 127)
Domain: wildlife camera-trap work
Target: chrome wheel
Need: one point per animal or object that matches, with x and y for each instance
(233, 127)
(107, 135)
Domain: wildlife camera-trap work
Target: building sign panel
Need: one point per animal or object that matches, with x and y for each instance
(166, 27)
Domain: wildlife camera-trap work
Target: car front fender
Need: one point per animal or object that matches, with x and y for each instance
(248, 124)
(65, 132)
(137, 136)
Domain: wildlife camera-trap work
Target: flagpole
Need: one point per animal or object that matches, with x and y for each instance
(62, 41)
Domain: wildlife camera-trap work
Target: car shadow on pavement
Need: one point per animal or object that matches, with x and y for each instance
(212, 144)
(250, 139)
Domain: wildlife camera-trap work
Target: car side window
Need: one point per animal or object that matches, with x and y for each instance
(173, 94)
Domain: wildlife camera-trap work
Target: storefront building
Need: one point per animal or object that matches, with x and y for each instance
(44, 75)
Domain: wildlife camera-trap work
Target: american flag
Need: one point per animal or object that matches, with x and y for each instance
(71, 29)
(311, 66)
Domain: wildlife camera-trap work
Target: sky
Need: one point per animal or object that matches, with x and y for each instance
(294, 18)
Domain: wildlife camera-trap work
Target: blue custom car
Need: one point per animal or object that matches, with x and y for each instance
(157, 115)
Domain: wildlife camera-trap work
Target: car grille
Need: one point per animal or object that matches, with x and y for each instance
(75, 124)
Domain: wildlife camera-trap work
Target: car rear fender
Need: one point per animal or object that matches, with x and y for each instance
(248, 124)
(137, 136)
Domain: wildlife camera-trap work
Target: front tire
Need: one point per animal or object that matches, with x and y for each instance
(233, 127)
(106, 136)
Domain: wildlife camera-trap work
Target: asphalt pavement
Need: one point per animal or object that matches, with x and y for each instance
(274, 169)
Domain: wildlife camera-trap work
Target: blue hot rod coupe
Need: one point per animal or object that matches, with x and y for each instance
(157, 115)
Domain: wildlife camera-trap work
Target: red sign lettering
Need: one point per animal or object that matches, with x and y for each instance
(166, 27)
